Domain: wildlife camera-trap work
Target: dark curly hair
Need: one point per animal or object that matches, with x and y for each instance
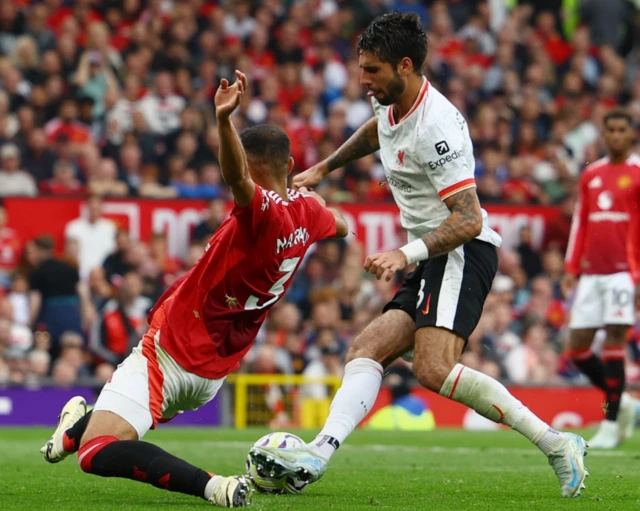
(393, 36)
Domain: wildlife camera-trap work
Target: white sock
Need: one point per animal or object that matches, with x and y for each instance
(492, 400)
(353, 401)
(211, 486)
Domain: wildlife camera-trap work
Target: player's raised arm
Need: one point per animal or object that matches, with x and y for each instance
(233, 160)
(342, 227)
(360, 144)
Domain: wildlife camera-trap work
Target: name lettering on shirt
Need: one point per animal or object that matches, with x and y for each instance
(300, 235)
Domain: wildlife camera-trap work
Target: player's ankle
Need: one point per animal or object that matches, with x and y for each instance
(549, 441)
(211, 486)
(324, 446)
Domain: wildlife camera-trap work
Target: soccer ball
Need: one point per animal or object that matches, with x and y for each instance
(261, 480)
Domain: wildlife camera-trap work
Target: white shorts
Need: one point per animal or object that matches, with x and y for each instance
(603, 300)
(150, 387)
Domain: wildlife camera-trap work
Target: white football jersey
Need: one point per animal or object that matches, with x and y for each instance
(427, 157)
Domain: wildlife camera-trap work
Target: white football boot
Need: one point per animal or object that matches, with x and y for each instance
(567, 461)
(233, 491)
(628, 416)
(72, 412)
(301, 463)
(607, 436)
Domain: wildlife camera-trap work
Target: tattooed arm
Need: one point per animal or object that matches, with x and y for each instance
(463, 224)
(361, 143)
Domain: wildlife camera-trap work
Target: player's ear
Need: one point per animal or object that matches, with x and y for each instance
(405, 67)
(291, 164)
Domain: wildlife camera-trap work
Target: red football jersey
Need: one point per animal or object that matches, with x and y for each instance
(605, 232)
(10, 249)
(211, 315)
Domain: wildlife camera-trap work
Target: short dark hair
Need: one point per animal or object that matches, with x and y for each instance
(618, 112)
(45, 242)
(394, 36)
(266, 146)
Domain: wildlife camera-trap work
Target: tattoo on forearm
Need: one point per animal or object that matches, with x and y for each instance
(361, 143)
(464, 224)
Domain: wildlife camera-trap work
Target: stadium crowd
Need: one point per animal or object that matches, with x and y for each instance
(114, 99)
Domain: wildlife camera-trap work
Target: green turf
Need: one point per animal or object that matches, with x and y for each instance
(442, 470)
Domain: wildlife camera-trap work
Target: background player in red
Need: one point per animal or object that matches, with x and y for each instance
(604, 253)
(206, 321)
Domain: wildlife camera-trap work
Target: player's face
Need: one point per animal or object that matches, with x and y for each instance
(618, 135)
(381, 78)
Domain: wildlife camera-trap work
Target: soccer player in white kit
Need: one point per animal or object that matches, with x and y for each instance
(427, 155)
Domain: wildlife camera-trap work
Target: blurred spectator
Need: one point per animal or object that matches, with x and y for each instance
(14, 181)
(10, 249)
(55, 305)
(94, 233)
(38, 157)
(19, 299)
(529, 257)
(121, 322)
(214, 217)
(104, 181)
(63, 181)
(162, 107)
(116, 263)
(66, 126)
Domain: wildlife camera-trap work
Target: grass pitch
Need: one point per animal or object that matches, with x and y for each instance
(442, 470)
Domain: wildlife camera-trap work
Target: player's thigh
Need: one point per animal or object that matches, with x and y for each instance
(588, 304)
(385, 338)
(580, 339)
(456, 287)
(135, 391)
(619, 300)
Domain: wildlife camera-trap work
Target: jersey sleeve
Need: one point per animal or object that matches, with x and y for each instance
(322, 223)
(578, 231)
(446, 153)
(253, 215)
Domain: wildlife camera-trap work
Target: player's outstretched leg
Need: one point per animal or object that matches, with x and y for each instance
(435, 366)
(110, 448)
(72, 422)
(386, 338)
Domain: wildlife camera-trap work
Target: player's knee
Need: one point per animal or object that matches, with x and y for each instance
(431, 373)
(90, 449)
(362, 349)
(616, 335)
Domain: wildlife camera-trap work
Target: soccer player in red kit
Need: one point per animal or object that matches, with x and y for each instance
(205, 323)
(604, 253)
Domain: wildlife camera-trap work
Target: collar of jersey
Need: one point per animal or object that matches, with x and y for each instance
(422, 95)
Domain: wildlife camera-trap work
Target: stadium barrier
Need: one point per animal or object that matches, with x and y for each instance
(282, 400)
(294, 401)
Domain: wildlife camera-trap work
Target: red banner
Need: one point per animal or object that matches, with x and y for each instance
(560, 407)
(377, 226)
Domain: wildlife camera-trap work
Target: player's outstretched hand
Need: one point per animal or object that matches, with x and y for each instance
(228, 96)
(310, 177)
(384, 265)
(313, 194)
